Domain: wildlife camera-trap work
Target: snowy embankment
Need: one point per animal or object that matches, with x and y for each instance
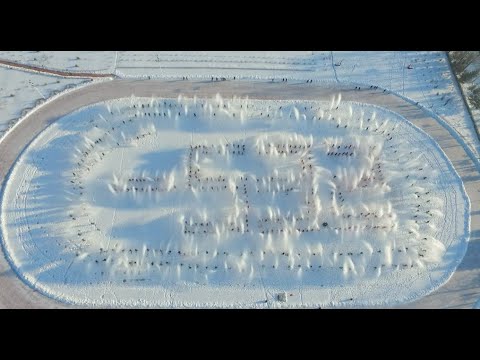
(21, 92)
(231, 202)
(86, 61)
(260, 65)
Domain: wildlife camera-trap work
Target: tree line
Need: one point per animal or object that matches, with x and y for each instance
(466, 65)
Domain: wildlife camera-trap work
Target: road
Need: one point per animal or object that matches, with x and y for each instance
(67, 74)
(461, 291)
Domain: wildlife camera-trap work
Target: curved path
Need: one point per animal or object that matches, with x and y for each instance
(463, 288)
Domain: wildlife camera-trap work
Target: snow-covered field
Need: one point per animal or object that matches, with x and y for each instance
(423, 76)
(429, 82)
(21, 91)
(89, 61)
(239, 64)
(231, 202)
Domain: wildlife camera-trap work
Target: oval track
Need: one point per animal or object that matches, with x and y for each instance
(463, 288)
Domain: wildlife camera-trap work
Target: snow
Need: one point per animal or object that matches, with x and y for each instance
(91, 61)
(466, 85)
(430, 82)
(241, 65)
(423, 76)
(233, 202)
(22, 91)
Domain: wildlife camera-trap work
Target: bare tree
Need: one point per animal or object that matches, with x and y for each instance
(461, 60)
(469, 76)
(474, 96)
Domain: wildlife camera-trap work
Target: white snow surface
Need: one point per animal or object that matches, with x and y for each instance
(231, 202)
(476, 305)
(21, 91)
(423, 76)
(82, 61)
